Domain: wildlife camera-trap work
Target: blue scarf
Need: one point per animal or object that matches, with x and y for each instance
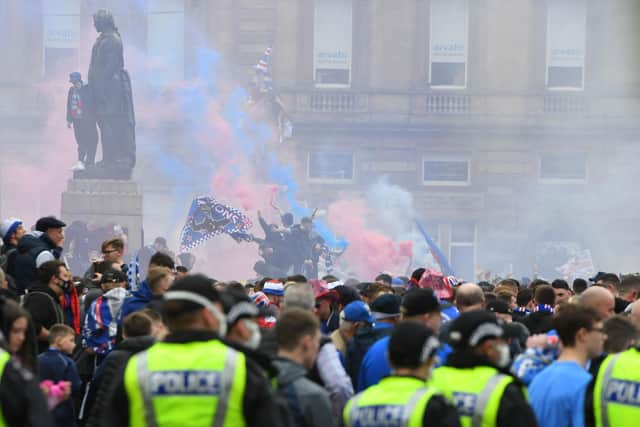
(543, 308)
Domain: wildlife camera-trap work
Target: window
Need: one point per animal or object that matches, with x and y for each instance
(61, 37)
(566, 39)
(327, 166)
(165, 39)
(445, 171)
(332, 43)
(448, 47)
(563, 167)
(462, 251)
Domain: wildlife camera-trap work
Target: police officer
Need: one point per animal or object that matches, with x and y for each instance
(402, 398)
(475, 377)
(616, 392)
(22, 403)
(192, 378)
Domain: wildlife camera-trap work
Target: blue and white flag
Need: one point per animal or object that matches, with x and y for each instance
(208, 218)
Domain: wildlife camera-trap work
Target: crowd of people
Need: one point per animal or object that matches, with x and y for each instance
(291, 248)
(172, 348)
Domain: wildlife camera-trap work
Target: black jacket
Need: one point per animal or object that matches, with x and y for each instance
(104, 379)
(29, 247)
(514, 410)
(23, 403)
(44, 306)
(364, 338)
(538, 322)
(258, 404)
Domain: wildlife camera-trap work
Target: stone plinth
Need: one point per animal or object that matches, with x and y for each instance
(105, 201)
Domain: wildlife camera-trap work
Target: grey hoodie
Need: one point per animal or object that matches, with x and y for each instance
(312, 401)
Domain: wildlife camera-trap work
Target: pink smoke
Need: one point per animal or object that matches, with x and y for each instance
(370, 252)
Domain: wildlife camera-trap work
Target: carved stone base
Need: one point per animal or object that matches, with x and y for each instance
(105, 201)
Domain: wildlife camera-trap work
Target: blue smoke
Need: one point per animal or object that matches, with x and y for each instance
(283, 176)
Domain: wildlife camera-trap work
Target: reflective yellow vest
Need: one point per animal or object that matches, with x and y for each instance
(193, 384)
(4, 359)
(393, 402)
(616, 394)
(475, 392)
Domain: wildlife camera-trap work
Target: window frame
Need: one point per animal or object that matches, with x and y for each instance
(548, 56)
(446, 158)
(332, 180)
(314, 61)
(47, 10)
(561, 181)
(466, 59)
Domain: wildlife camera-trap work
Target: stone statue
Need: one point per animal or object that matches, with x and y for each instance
(110, 88)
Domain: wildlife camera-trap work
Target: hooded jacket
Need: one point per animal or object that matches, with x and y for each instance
(137, 301)
(309, 403)
(44, 306)
(29, 247)
(101, 321)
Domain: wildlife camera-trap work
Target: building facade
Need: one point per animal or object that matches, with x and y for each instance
(514, 123)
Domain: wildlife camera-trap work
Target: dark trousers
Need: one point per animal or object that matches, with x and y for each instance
(86, 134)
(118, 140)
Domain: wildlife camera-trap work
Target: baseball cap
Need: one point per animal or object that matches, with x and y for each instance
(385, 307)
(8, 227)
(195, 291)
(599, 275)
(75, 77)
(328, 294)
(113, 276)
(397, 281)
(473, 327)
(499, 306)
(419, 301)
(411, 344)
(273, 287)
(357, 311)
(47, 222)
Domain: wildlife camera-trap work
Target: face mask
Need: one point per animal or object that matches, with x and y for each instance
(505, 355)
(222, 320)
(256, 336)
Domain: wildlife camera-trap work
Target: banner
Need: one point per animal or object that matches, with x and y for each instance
(449, 31)
(566, 33)
(61, 21)
(208, 218)
(332, 35)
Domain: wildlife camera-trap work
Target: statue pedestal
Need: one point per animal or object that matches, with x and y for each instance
(105, 201)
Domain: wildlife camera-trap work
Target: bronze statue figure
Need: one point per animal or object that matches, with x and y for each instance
(112, 97)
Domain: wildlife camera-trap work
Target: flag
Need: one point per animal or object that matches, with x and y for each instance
(263, 89)
(437, 254)
(208, 218)
(263, 66)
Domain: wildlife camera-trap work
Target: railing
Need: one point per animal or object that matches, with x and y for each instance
(563, 103)
(444, 103)
(337, 102)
